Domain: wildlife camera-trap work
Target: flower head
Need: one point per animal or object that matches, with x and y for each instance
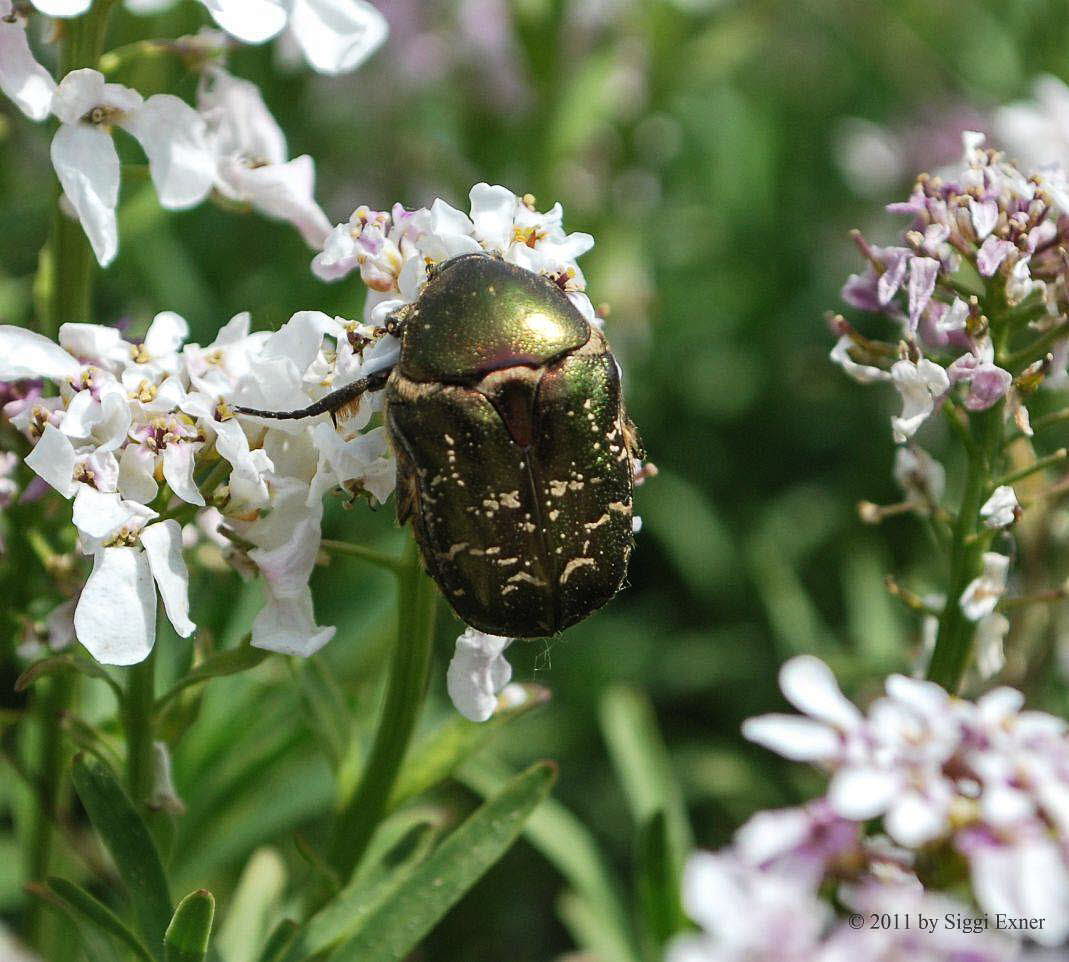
(392, 250)
(251, 160)
(987, 778)
(988, 222)
(87, 164)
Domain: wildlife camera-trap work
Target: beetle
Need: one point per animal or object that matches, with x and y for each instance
(514, 450)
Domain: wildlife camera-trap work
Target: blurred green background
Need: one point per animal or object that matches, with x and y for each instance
(707, 146)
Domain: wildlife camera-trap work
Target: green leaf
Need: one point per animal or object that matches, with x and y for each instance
(128, 840)
(280, 939)
(643, 768)
(436, 757)
(253, 907)
(86, 908)
(393, 929)
(222, 663)
(390, 863)
(58, 663)
(188, 934)
(599, 922)
(658, 885)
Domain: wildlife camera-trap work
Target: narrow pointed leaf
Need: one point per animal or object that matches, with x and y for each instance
(86, 908)
(93, 942)
(132, 849)
(279, 941)
(436, 757)
(658, 885)
(643, 768)
(191, 928)
(396, 927)
(370, 889)
(594, 912)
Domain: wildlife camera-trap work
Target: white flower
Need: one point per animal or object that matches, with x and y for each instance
(287, 543)
(250, 155)
(477, 672)
(335, 36)
(1000, 510)
(87, 164)
(116, 614)
(982, 594)
(887, 765)
(364, 460)
(862, 373)
(920, 384)
(22, 78)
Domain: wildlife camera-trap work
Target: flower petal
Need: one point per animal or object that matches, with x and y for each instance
(163, 548)
(137, 466)
(178, 470)
(477, 672)
(337, 36)
(26, 354)
(88, 168)
(62, 8)
(810, 686)
(166, 332)
(860, 792)
(53, 459)
(283, 191)
(22, 78)
(116, 614)
(98, 514)
(287, 625)
(252, 21)
(493, 212)
(173, 136)
(793, 737)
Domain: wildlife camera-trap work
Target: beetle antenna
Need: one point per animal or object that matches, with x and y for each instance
(331, 403)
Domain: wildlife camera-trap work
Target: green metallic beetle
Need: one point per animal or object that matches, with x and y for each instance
(514, 452)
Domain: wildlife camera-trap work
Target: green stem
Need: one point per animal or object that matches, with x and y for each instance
(138, 718)
(51, 699)
(407, 684)
(1040, 464)
(953, 644)
(369, 555)
(68, 273)
(1034, 351)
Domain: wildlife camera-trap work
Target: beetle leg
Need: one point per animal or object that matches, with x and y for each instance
(330, 403)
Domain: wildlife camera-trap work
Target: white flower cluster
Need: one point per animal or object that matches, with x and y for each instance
(138, 431)
(229, 143)
(753, 905)
(1008, 229)
(985, 779)
(393, 250)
